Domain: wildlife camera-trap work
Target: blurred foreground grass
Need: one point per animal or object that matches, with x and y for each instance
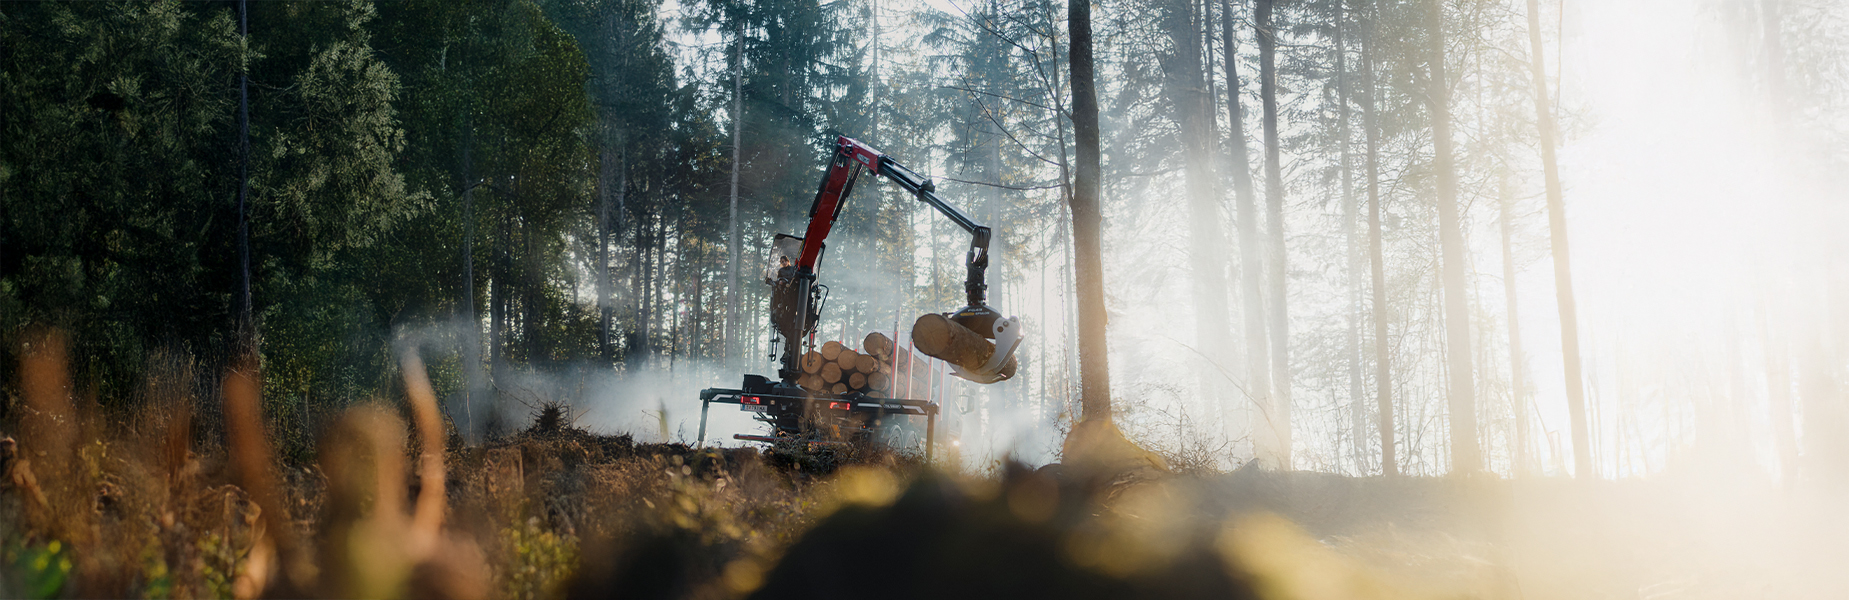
(157, 503)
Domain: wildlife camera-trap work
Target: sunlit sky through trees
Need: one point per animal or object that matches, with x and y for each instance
(1701, 203)
(539, 192)
(1694, 205)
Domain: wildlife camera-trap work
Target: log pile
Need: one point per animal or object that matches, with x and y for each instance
(879, 368)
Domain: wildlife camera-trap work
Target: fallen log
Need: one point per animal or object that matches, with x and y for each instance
(839, 388)
(938, 336)
(832, 349)
(831, 373)
(857, 381)
(812, 362)
(849, 360)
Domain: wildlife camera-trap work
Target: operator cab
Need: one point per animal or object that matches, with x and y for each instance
(792, 293)
(784, 252)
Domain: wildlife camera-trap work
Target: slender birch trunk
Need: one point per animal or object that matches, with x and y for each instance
(1563, 269)
(1251, 248)
(1518, 381)
(1461, 396)
(1278, 438)
(732, 280)
(1357, 389)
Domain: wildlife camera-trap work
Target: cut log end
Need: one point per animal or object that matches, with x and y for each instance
(877, 344)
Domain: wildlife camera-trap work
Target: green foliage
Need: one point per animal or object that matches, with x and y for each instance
(406, 160)
(120, 196)
(541, 560)
(34, 570)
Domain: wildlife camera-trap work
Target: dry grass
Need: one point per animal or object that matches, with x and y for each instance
(153, 504)
(183, 498)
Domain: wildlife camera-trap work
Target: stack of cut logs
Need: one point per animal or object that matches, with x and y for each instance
(838, 369)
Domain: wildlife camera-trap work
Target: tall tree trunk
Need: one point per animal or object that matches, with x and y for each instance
(1825, 443)
(1465, 457)
(1057, 101)
(732, 348)
(1251, 249)
(1357, 402)
(532, 300)
(605, 177)
(6, 57)
(1087, 220)
(606, 187)
(1518, 383)
(471, 333)
(621, 213)
(1563, 269)
(497, 308)
(1277, 449)
(1383, 358)
(1186, 90)
(658, 284)
(247, 329)
(1777, 391)
(638, 345)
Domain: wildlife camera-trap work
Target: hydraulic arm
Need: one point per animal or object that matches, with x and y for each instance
(796, 301)
(797, 290)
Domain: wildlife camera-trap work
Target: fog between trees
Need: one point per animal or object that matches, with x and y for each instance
(541, 192)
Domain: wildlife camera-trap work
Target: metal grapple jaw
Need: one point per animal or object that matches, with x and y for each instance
(1005, 332)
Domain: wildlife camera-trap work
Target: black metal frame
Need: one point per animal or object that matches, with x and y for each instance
(780, 401)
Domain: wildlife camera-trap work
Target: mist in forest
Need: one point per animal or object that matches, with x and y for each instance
(1697, 147)
(1484, 298)
(1280, 261)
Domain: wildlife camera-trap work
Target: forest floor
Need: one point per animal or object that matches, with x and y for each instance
(557, 511)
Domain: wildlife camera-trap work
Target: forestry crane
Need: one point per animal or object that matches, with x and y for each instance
(976, 341)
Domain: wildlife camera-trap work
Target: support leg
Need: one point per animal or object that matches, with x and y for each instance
(704, 404)
(930, 436)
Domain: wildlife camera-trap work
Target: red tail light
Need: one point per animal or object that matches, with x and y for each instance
(840, 405)
(751, 400)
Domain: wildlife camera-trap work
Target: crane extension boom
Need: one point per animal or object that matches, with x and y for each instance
(796, 299)
(851, 156)
(798, 314)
